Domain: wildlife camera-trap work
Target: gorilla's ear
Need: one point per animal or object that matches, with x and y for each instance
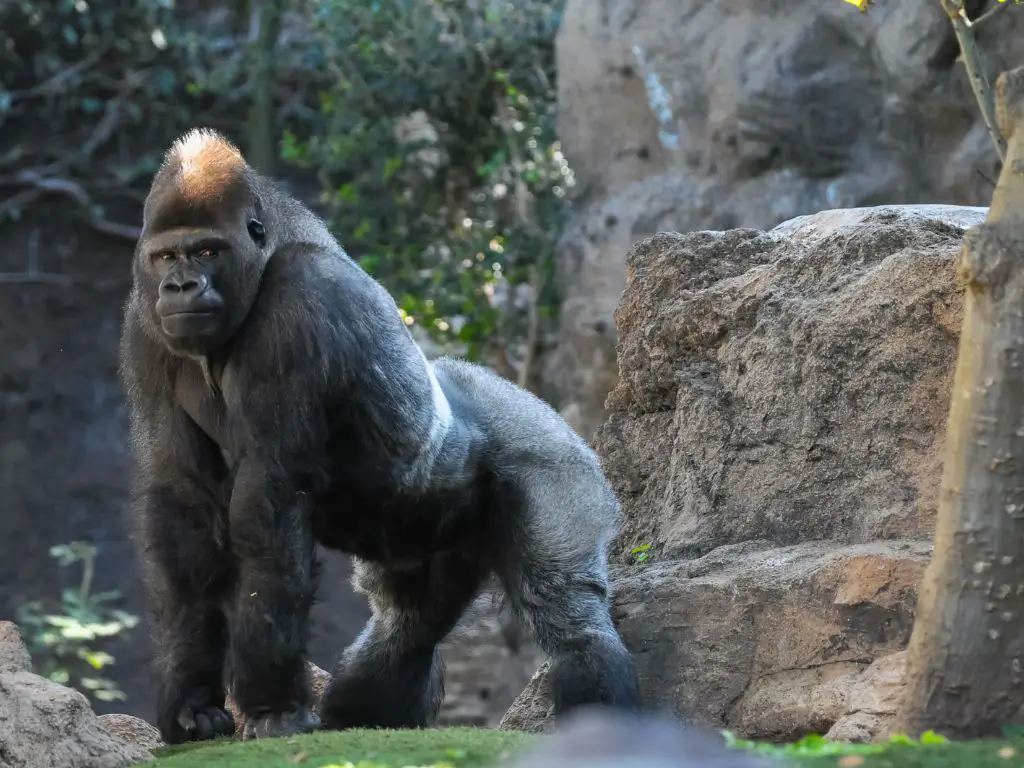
(257, 232)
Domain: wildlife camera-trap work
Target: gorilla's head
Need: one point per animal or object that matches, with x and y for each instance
(208, 231)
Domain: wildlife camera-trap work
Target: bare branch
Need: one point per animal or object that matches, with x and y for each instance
(975, 71)
(111, 119)
(991, 13)
(39, 186)
(532, 329)
(58, 82)
(56, 278)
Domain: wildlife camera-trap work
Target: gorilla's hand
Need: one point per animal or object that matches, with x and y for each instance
(193, 716)
(275, 724)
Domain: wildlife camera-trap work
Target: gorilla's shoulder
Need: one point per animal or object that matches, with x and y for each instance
(325, 277)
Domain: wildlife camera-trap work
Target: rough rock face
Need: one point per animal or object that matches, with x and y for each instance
(872, 701)
(132, 730)
(684, 115)
(44, 724)
(795, 382)
(776, 437)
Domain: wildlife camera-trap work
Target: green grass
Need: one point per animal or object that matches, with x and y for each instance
(480, 748)
(458, 747)
(932, 751)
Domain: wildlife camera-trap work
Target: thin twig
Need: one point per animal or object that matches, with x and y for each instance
(975, 71)
(55, 83)
(57, 278)
(111, 119)
(40, 186)
(989, 14)
(523, 211)
(532, 328)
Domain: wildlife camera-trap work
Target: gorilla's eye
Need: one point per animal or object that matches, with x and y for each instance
(164, 256)
(256, 232)
(207, 253)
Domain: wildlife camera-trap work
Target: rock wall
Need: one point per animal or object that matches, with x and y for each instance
(681, 115)
(776, 437)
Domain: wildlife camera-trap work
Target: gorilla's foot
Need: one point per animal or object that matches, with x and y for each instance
(274, 724)
(192, 716)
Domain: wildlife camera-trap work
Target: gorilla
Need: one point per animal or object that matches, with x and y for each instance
(277, 400)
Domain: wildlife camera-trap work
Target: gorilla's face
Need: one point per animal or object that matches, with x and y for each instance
(199, 282)
(204, 245)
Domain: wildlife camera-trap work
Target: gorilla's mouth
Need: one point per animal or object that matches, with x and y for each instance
(179, 325)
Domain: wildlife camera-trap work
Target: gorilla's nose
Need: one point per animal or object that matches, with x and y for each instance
(184, 285)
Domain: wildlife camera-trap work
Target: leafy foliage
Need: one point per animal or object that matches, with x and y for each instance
(641, 554)
(76, 75)
(816, 745)
(429, 124)
(438, 155)
(63, 644)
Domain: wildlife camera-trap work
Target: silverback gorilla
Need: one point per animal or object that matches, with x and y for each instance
(278, 400)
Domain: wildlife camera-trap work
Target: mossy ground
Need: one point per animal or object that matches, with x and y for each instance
(457, 747)
(478, 748)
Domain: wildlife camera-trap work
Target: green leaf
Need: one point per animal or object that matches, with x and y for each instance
(95, 659)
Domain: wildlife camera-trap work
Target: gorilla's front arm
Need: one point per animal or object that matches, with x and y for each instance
(272, 542)
(179, 493)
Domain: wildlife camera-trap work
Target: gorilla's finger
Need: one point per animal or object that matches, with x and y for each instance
(204, 728)
(223, 724)
(187, 719)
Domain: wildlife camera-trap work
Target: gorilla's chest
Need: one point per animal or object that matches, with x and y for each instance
(203, 406)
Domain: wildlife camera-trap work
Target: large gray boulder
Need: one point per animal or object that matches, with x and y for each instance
(44, 724)
(775, 437)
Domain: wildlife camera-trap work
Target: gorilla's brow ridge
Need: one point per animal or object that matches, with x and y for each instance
(208, 165)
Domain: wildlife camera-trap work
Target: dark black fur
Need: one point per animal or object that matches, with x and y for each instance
(300, 411)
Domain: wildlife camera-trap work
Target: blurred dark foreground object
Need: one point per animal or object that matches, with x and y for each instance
(603, 738)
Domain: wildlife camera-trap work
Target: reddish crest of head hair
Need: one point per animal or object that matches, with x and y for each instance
(208, 165)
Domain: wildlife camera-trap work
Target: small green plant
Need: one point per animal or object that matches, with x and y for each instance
(63, 644)
(640, 554)
(816, 745)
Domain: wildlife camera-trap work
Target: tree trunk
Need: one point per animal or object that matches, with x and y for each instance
(262, 143)
(965, 667)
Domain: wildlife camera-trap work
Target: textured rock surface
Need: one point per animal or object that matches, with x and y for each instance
(683, 115)
(776, 435)
(14, 656)
(132, 730)
(44, 724)
(872, 701)
(787, 385)
(766, 641)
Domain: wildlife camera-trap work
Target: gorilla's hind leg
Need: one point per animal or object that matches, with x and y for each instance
(555, 575)
(392, 676)
(572, 623)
